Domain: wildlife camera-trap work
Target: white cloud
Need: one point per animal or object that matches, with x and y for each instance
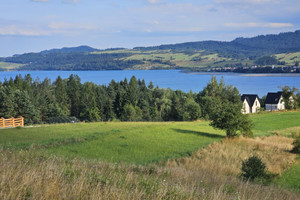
(155, 1)
(70, 1)
(258, 25)
(25, 31)
(40, 0)
(70, 26)
(247, 1)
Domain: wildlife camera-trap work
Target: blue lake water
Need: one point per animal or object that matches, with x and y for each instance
(259, 84)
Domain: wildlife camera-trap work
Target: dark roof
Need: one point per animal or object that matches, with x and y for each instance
(250, 98)
(273, 98)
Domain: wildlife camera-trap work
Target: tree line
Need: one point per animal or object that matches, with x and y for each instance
(66, 100)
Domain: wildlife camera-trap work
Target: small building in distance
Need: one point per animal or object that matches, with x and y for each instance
(274, 101)
(251, 103)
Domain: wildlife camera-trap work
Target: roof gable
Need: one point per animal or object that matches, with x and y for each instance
(250, 98)
(273, 98)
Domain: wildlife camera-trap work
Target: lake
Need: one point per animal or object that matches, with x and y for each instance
(259, 84)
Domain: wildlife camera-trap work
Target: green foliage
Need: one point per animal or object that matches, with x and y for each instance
(223, 106)
(254, 169)
(289, 97)
(191, 110)
(266, 60)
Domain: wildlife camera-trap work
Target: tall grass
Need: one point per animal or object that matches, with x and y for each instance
(211, 173)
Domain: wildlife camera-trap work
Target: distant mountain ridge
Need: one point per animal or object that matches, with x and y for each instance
(240, 52)
(263, 44)
(79, 49)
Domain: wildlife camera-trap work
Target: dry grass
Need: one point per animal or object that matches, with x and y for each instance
(211, 173)
(293, 131)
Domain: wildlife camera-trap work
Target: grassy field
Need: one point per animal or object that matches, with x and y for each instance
(289, 58)
(210, 173)
(268, 123)
(146, 160)
(290, 178)
(9, 66)
(138, 143)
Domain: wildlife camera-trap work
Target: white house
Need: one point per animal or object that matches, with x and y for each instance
(274, 101)
(251, 103)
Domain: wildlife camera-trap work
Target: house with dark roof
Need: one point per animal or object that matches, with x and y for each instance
(274, 101)
(251, 103)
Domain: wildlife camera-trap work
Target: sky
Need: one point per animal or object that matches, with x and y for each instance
(36, 25)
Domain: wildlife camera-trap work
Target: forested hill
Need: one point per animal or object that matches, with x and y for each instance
(80, 49)
(264, 44)
(281, 50)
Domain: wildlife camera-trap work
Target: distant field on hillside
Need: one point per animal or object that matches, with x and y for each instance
(289, 58)
(9, 66)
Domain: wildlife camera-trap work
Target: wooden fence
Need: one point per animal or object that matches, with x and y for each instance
(11, 122)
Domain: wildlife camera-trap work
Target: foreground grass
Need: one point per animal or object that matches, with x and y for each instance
(211, 173)
(291, 178)
(139, 143)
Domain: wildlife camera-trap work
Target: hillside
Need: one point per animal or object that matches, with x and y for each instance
(147, 160)
(203, 56)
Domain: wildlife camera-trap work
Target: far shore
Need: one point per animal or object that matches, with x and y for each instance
(247, 74)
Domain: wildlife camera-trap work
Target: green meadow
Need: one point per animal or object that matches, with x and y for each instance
(120, 157)
(133, 142)
(268, 123)
(9, 66)
(289, 58)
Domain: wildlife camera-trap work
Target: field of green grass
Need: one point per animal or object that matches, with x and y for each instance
(268, 123)
(9, 66)
(121, 160)
(133, 142)
(290, 178)
(289, 58)
(197, 59)
(139, 143)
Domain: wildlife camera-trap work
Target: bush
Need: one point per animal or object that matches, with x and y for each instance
(62, 119)
(296, 144)
(254, 169)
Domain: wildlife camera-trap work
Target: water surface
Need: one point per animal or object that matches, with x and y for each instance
(259, 84)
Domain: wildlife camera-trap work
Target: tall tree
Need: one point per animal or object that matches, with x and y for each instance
(61, 96)
(73, 90)
(225, 112)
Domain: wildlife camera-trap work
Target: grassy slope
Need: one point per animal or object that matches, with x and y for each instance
(289, 58)
(139, 143)
(213, 167)
(9, 66)
(268, 123)
(177, 59)
(136, 142)
(291, 178)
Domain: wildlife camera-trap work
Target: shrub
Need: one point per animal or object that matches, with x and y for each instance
(296, 144)
(62, 119)
(254, 169)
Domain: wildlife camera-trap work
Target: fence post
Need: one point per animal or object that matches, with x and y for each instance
(2, 120)
(22, 123)
(13, 121)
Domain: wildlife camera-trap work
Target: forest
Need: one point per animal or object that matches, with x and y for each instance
(66, 100)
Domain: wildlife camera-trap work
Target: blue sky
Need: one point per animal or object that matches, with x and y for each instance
(35, 25)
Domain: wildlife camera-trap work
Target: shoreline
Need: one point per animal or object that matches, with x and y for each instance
(246, 74)
(180, 70)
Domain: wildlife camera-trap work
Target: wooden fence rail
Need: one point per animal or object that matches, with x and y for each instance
(11, 122)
